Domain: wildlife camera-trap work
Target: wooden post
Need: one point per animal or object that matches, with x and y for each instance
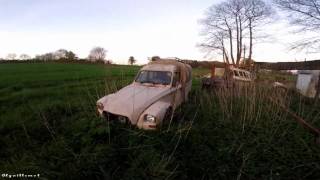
(213, 71)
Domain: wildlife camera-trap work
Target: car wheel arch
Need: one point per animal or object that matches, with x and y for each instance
(157, 109)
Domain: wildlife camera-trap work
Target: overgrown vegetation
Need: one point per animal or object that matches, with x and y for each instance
(48, 125)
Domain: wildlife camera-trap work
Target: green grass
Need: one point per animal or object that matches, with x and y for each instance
(48, 125)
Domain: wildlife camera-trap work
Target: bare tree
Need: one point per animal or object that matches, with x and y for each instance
(60, 54)
(71, 56)
(218, 31)
(257, 13)
(305, 14)
(227, 23)
(108, 61)
(65, 55)
(131, 60)
(97, 54)
(46, 57)
(214, 42)
(11, 56)
(37, 57)
(24, 57)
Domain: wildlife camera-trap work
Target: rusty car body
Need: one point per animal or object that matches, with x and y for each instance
(227, 77)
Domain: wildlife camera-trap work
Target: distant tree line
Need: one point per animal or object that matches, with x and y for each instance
(61, 54)
(97, 54)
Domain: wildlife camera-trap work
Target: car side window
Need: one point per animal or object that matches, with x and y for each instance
(176, 78)
(242, 74)
(248, 75)
(236, 73)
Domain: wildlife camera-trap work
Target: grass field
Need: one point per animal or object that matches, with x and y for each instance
(48, 125)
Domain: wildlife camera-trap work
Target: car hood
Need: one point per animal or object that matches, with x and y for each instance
(132, 100)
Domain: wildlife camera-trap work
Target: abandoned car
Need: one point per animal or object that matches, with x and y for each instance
(226, 77)
(158, 89)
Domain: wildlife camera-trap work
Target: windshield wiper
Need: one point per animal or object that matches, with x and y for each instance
(142, 82)
(150, 82)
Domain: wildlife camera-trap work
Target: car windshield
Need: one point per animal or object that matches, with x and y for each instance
(154, 77)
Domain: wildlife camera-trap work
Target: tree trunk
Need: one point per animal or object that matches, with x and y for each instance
(225, 56)
(250, 46)
(231, 46)
(230, 40)
(238, 41)
(244, 53)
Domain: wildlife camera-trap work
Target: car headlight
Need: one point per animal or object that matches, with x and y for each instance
(100, 106)
(150, 118)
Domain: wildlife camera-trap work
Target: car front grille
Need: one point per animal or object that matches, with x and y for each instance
(116, 118)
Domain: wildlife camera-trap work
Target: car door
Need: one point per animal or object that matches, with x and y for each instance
(188, 86)
(178, 95)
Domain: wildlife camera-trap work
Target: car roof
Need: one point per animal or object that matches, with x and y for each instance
(159, 67)
(165, 65)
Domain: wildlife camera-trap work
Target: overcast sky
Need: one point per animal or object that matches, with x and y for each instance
(139, 28)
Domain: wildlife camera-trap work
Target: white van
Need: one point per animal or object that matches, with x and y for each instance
(158, 89)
